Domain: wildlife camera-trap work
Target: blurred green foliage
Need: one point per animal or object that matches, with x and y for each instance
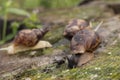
(44, 3)
(19, 7)
(6, 8)
(59, 3)
(50, 3)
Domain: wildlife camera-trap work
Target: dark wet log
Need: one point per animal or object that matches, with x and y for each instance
(85, 2)
(9, 29)
(115, 7)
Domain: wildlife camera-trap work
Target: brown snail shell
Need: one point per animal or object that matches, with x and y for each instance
(74, 26)
(29, 37)
(85, 41)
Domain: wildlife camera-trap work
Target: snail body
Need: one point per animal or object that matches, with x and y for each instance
(77, 60)
(11, 49)
(74, 26)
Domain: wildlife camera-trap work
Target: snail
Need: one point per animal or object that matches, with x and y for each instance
(28, 39)
(85, 41)
(83, 44)
(74, 26)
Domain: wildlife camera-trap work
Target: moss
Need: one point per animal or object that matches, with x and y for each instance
(26, 74)
(104, 67)
(63, 47)
(116, 75)
(48, 51)
(54, 35)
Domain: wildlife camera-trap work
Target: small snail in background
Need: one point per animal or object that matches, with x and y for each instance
(74, 26)
(28, 39)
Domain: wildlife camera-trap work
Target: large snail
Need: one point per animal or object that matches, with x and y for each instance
(83, 44)
(85, 41)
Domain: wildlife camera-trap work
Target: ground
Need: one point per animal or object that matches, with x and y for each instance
(37, 65)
